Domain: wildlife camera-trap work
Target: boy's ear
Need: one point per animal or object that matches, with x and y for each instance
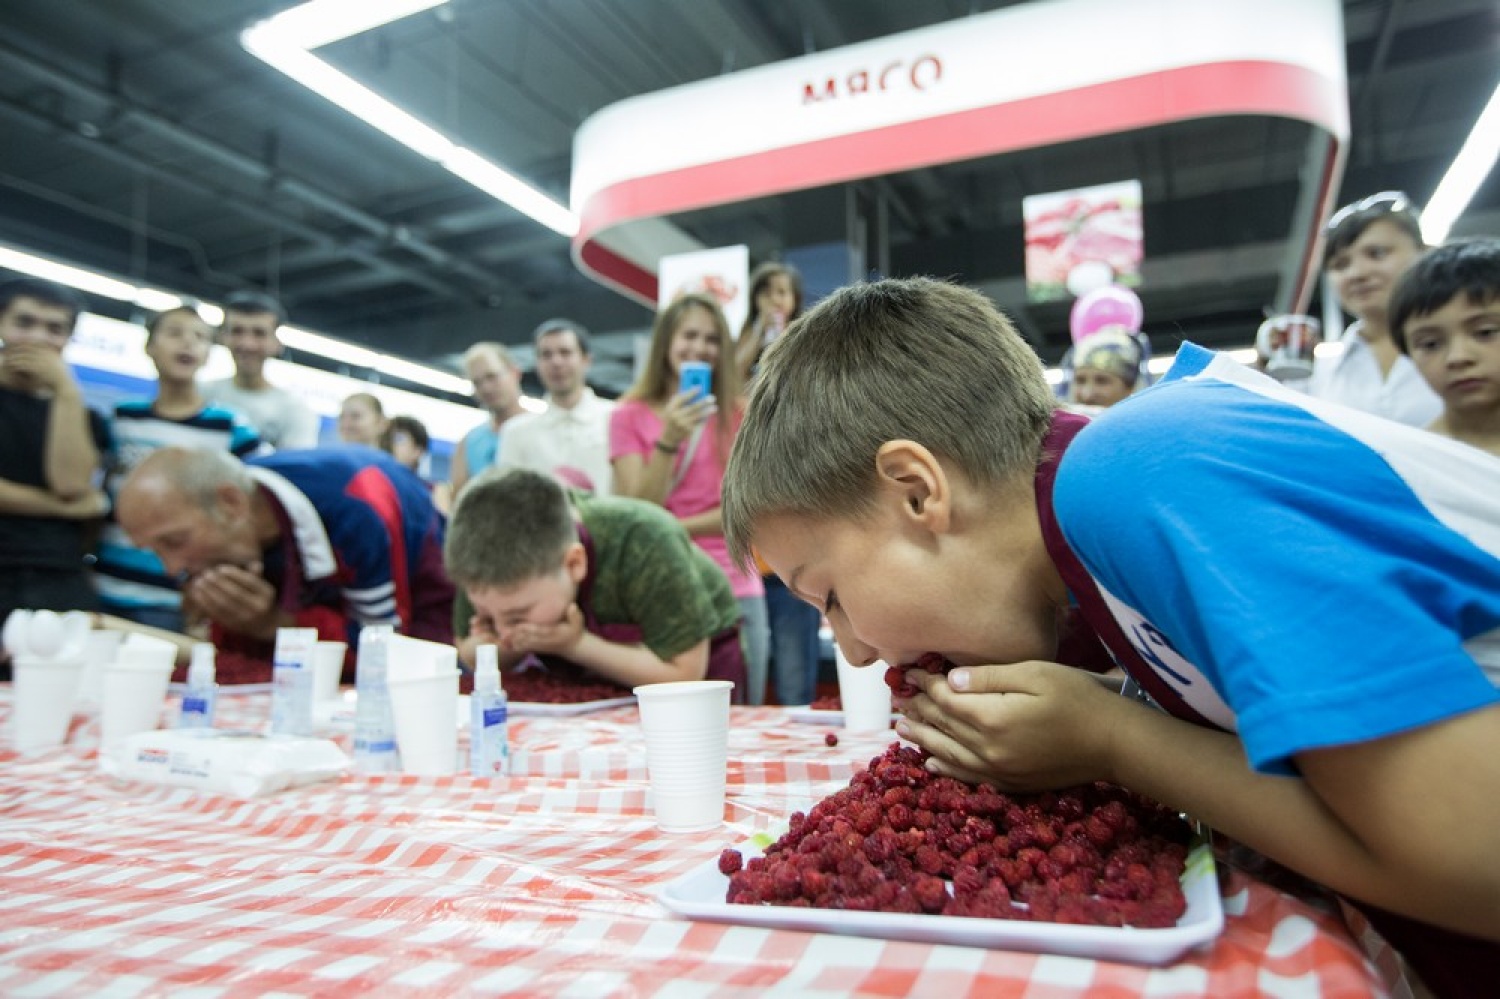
(911, 475)
(576, 562)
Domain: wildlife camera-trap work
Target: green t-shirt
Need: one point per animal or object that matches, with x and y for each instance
(644, 571)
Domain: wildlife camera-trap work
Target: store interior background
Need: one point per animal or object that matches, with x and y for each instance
(142, 140)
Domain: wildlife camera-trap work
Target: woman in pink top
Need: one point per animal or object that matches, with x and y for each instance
(668, 447)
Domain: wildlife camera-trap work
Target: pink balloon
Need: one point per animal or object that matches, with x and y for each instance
(1110, 305)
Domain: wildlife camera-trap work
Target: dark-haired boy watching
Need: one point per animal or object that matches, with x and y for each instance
(49, 453)
(1445, 316)
(251, 321)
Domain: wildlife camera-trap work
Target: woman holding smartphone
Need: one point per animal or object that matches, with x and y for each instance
(668, 443)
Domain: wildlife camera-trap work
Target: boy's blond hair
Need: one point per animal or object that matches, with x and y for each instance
(913, 359)
(509, 527)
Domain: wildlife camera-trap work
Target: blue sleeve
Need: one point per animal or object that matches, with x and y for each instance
(1313, 588)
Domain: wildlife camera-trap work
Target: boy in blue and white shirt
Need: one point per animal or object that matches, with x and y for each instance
(1302, 589)
(131, 581)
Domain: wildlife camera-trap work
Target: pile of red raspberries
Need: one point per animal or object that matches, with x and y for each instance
(901, 839)
(540, 687)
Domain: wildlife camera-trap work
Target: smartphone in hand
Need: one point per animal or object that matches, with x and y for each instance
(696, 377)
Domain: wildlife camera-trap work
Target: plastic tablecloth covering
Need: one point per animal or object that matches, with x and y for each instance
(538, 884)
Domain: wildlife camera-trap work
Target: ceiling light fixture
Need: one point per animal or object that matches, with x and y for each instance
(1469, 169)
(284, 43)
(156, 300)
(321, 22)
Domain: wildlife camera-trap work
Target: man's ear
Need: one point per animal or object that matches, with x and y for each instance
(576, 562)
(912, 476)
(232, 503)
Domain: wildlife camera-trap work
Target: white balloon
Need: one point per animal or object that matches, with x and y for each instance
(45, 636)
(76, 628)
(1087, 275)
(16, 628)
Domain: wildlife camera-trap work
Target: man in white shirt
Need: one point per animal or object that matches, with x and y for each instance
(571, 438)
(249, 331)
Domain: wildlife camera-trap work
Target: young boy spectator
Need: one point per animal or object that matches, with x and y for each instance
(406, 439)
(1445, 316)
(251, 322)
(131, 581)
(1292, 582)
(50, 443)
(609, 584)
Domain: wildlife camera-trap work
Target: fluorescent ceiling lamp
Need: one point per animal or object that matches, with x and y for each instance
(507, 187)
(157, 300)
(284, 43)
(324, 21)
(73, 277)
(1469, 169)
(412, 372)
(324, 346)
(355, 98)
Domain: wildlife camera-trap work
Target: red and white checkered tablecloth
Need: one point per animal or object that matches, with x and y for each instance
(540, 884)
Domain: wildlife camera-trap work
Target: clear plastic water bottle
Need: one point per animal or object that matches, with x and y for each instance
(489, 738)
(375, 749)
(202, 694)
(292, 682)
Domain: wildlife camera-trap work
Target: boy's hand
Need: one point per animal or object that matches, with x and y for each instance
(37, 366)
(682, 415)
(1027, 726)
(482, 630)
(557, 639)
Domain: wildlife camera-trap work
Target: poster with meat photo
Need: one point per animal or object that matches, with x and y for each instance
(1081, 239)
(723, 272)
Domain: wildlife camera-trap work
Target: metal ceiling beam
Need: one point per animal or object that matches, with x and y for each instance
(249, 167)
(68, 132)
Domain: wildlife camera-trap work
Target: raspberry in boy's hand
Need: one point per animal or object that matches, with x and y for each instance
(895, 676)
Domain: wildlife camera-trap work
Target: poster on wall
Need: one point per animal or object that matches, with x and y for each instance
(723, 273)
(1082, 239)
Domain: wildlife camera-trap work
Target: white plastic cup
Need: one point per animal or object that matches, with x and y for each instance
(328, 670)
(686, 725)
(99, 651)
(426, 715)
(1288, 343)
(135, 690)
(864, 695)
(45, 691)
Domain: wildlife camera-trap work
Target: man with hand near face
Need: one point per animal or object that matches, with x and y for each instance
(50, 443)
(329, 538)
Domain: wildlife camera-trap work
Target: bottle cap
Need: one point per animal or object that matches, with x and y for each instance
(201, 666)
(487, 668)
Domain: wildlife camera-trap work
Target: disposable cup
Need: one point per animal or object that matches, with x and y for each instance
(328, 669)
(135, 690)
(45, 691)
(686, 728)
(426, 715)
(865, 698)
(99, 651)
(1288, 343)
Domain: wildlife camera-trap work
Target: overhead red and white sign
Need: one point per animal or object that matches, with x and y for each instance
(1021, 77)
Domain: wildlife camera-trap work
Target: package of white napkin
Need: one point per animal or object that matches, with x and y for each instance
(242, 764)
